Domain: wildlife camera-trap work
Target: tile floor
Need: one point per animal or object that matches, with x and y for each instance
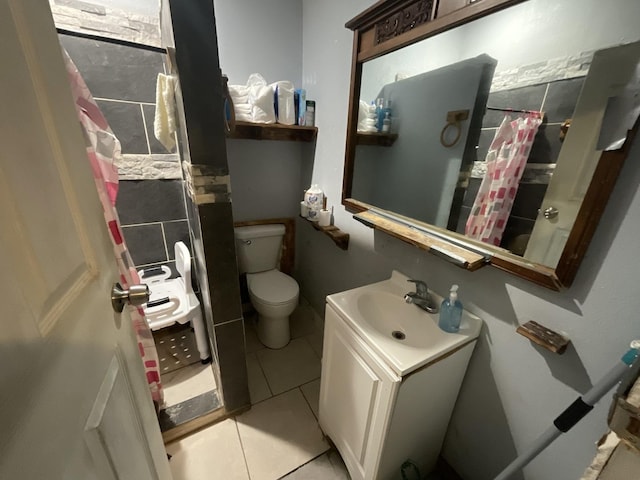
(279, 438)
(187, 382)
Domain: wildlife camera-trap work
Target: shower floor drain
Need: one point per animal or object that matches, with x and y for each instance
(398, 335)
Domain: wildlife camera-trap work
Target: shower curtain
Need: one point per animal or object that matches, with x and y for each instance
(505, 161)
(102, 150)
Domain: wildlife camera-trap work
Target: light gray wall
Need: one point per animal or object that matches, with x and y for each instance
(265, 38)
(512, 390)
(262, 37)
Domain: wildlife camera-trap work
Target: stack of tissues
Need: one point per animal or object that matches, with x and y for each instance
(367, 118)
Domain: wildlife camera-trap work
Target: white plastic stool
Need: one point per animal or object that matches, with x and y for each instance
(173, 301)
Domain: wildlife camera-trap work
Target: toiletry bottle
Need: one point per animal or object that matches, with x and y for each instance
(451, 312)
(310, 115)
(379, 113)
(386, 123)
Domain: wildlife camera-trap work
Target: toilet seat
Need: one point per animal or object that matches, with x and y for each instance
(272, 287)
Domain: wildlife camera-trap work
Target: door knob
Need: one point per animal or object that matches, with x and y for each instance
(136, 295)
(550, 213)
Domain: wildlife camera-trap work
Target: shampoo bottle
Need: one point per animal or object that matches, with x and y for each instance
(451, 312)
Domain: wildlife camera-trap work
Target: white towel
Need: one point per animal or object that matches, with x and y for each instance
(242, 108)
(164, 123)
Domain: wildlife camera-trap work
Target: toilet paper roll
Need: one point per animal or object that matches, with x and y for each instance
(324, 219)
(304, 209)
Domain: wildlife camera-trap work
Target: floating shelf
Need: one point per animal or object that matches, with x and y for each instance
(274, 131)
(379, 139)
(340, 238)
(544, 337)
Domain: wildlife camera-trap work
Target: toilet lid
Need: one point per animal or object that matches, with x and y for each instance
(272, 287)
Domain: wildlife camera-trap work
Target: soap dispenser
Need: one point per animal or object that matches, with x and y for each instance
(451, 312)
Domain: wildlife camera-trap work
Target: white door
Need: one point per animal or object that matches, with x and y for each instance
(74, 402)
(609, 73)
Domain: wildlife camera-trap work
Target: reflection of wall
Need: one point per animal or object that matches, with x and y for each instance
(417, 175)
(512, 389)
(557, 100)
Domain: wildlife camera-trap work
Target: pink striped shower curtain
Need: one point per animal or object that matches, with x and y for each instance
(102, 150)
(505, 161)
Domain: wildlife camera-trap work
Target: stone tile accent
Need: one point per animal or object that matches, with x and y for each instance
(149, 167)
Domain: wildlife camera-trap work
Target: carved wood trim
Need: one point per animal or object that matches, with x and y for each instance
(403, 21)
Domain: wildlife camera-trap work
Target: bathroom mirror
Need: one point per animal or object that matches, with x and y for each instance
(484, 131)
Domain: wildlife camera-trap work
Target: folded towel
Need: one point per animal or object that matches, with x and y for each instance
(242, 107)
(238, 90)
(244, 117)
(240, 98)
(164, 122)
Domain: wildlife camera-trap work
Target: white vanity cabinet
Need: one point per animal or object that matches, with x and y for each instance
(357, 392)
(376, 414)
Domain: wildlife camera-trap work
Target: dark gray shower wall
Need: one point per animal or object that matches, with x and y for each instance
(122, 79)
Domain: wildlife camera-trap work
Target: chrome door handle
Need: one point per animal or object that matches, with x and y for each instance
(136, 295)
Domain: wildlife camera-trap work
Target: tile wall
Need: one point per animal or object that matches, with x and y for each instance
(123, 81)
(192, 27)
(557, 100)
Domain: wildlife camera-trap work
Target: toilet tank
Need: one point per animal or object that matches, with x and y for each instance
(258, 247)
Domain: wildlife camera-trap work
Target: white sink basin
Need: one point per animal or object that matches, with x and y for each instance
(405, 335)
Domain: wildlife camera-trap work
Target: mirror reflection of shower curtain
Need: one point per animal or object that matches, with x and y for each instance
(505, 161)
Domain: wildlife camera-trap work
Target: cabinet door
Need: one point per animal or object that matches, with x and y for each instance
(357, 392)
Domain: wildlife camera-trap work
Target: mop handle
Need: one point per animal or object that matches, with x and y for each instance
(575, 412)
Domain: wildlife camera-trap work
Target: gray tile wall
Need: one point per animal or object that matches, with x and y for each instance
(123, 81)
(192, 26)
(557, 100)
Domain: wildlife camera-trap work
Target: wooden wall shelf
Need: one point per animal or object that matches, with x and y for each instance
(380, 139)
(274, 131)
(544, 337)
(340, 238)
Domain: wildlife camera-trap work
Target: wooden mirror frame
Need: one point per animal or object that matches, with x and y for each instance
(390, 25)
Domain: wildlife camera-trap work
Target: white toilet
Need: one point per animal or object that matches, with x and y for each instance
(273, 294)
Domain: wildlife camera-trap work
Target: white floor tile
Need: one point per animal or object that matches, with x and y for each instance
(212, 453)
(302, 321)
(311, 392)
(278, 435)
(252, 343)
(328, 466)
(315, 340)
(258, 387)
(187, 382)
(289, 367)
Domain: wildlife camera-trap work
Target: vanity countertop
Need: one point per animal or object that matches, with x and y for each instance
(404, 335)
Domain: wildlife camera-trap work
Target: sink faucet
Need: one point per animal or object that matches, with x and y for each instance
(421, 297)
